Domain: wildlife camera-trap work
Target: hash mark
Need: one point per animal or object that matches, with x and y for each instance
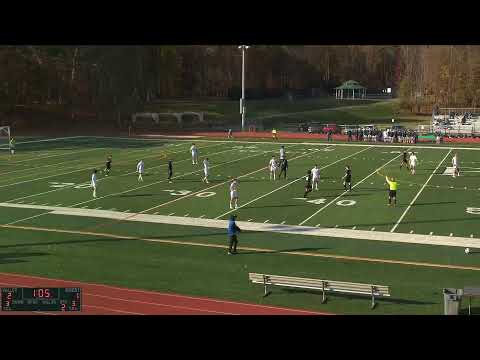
(266, 221)
(249, 219)
(171, 214)
(283, 222)
(186, 214)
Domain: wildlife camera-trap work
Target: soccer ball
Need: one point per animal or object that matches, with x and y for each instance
(467, 250)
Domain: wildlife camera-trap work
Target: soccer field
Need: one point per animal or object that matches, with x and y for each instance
(171, 237)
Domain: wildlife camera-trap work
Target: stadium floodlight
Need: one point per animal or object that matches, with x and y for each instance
(242, 100)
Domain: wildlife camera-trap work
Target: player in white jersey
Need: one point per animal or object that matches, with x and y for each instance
(282, 152)
(94, 182)
(206, 169)
(456, 170)
(194, 151)
(272, 167)
(140, 170)
(413, 162)
(234, 194)
(315, 177)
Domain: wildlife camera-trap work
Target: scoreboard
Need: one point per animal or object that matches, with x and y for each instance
(41, 299)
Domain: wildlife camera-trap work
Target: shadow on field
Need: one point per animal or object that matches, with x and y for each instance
(13, 258)
(475, 310)
(281, 251)
(378, 301)
(413, 221)
(135, 195)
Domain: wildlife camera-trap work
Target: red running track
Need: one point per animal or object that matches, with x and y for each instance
(299, 135)
(111, 300)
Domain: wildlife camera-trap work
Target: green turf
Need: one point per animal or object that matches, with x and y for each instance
(29, 176)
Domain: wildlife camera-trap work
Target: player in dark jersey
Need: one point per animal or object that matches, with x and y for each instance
(308, 183)
(170, 171)
(405, 160)
(108, 165)
(347, 178)
(283, 168)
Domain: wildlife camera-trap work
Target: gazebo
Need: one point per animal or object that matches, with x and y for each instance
(349, 89)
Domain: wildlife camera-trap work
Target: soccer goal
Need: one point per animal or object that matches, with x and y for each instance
(4, 137)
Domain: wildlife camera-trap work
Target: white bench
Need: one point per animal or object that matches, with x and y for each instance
(375, 291)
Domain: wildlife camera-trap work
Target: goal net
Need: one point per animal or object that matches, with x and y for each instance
(4, 137)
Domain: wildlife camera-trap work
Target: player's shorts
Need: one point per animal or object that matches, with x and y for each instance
(405, 161)
(108, 166)
(273, 169)
(308, 188)
(233, 194)
(348, 179)
(392, 193)
(315, 178)
(205, 172)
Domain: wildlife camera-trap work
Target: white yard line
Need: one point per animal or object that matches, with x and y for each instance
(345, 192)
(385, 145)
(214, 186)
(110, 177)
(289, 183)
(161, 181)
(418, 194)
(248, 225)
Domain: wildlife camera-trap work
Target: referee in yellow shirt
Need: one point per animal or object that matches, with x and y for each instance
(392, 192)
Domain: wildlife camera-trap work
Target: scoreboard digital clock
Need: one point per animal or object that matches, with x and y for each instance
(41, 299)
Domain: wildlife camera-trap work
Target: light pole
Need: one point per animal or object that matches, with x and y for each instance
(242, 100)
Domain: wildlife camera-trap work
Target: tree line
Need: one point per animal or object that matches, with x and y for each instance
(116, 80)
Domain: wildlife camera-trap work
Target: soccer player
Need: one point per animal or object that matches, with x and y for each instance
(392, 190)
(308, 183)
(108, 165)
(283, 168)
(12, 146)
(315, 177)
(206, 168)
(234, 194)
(347, 178)
(282, 152)
(272, 165)
(140, 170)
(194, 151)
(413, 162)
(94, 182)
(405, 160)
(170, 171)
(456, 170)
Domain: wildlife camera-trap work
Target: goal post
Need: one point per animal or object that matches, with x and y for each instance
(5, 137)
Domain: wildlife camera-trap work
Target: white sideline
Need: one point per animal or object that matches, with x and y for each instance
(288, 184)
(418, 194)
(339, 196)
(308, 143)
(252, 226)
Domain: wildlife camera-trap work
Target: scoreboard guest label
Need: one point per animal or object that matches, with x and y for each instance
(41, 299)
